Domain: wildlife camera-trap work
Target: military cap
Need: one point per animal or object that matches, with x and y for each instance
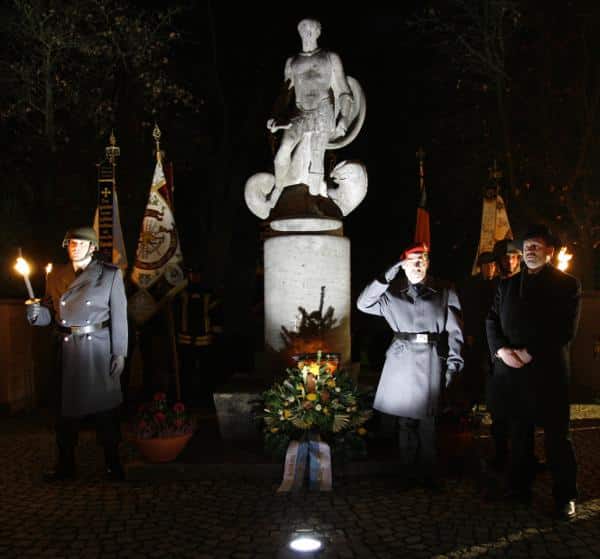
(82, 234)
(414, 248)
(485, 258)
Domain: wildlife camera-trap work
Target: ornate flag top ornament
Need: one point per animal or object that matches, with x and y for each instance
(112, 151)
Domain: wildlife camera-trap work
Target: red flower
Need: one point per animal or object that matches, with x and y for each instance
(142, 424)
(178, 407)
(160, 416)
(160, 397)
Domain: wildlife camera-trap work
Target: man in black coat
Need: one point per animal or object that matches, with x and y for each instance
(530, 326)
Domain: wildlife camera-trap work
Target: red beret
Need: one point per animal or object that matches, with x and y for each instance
(413, 249)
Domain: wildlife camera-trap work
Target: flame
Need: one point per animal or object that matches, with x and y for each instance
(564, 259)
(48, 268)
(22, 267)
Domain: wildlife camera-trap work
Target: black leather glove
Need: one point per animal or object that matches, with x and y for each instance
(32, 310)
(117, 364)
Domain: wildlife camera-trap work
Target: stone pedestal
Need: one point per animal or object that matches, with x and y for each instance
(307, 295)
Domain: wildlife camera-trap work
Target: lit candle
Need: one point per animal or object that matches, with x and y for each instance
(23, 268)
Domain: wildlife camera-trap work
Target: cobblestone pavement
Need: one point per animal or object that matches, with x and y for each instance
(380, 518)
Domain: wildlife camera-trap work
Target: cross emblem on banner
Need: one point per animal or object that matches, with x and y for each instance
(105, 191)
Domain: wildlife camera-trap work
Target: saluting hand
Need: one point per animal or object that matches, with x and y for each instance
(392, 272)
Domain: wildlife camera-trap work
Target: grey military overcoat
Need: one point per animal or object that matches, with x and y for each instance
(411, 380)
(95, 296)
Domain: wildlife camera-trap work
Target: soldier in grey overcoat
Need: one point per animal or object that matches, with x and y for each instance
(425, 352)
(85, 301)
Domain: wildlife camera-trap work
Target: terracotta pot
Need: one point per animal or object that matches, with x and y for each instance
(162, 450)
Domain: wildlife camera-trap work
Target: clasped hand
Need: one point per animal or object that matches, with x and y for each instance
(515, 358)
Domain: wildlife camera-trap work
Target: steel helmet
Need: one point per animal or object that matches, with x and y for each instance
(81, 233)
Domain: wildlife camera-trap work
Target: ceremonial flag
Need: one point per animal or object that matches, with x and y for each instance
(422, 230)
(115, 246)
(157, 271)
(494, 225)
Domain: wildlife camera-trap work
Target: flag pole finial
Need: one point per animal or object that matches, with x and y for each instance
(156, 134)
(112, 151)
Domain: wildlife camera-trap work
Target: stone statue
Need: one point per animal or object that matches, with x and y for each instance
(327, 111)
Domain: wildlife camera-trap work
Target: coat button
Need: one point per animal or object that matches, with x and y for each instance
(63, 303)
(89, 337)
(66, 338)
(88, 302)
(63, 321)
(87, 321)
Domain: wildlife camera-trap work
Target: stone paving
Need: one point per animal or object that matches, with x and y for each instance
(242, 518)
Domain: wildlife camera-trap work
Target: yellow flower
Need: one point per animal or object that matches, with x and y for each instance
(311, 397)
(274, 429)
(314, 369)
(287, 414)
(331, 383)
(361, 431)
(326, 411)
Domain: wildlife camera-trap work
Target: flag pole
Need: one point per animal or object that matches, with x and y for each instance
(156, 134)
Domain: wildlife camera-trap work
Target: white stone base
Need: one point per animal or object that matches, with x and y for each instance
(296, 269)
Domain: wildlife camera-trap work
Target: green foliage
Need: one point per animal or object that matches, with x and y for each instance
(312, 399)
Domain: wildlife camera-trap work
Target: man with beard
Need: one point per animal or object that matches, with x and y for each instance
(530, 326)
(85, 301)
(423, 357)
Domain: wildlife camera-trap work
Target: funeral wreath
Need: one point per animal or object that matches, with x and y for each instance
(314, 400)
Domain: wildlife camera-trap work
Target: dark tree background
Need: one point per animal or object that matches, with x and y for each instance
(470, 81)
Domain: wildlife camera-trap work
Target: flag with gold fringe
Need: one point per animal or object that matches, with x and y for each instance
(494, 219)
(157, 272)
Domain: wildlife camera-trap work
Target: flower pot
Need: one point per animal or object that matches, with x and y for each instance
(162, 450)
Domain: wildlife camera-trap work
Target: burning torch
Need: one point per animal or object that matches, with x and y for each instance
(23, 268)
(564, 259)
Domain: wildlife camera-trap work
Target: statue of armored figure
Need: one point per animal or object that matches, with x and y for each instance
(326, 113)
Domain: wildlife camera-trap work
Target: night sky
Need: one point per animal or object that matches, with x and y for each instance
(418, 94)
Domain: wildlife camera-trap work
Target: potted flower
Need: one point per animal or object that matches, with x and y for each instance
(161, 430)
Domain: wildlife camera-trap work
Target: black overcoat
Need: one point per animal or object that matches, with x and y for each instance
(539, 312)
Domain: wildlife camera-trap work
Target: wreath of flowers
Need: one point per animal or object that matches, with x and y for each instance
(158, 419)
(312, 399)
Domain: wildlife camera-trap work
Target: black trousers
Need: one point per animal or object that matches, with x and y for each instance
(560, 454)
(108, 434)
(416, 438)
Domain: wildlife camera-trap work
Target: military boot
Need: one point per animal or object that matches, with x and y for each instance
(114, 470)
(64, 470)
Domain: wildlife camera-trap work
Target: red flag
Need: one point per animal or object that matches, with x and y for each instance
(422, 232)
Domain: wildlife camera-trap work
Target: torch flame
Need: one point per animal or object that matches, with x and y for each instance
(48, 268)
(564, 259)
(22, 266)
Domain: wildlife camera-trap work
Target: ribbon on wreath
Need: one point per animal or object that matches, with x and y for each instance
(317, 453)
